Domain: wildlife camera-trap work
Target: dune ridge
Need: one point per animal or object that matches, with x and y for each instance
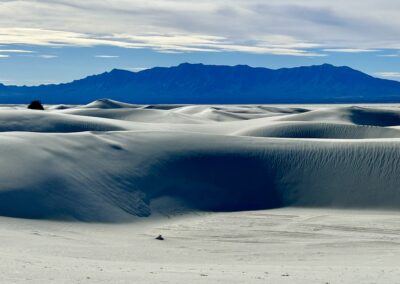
(111, 161)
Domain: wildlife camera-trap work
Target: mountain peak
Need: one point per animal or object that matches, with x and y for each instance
(327, 65)
(119, 71)
(187, 64)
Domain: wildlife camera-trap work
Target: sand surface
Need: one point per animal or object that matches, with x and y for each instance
(288, 245)
(242, 194)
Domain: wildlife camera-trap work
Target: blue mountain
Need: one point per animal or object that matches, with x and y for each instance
(210, 84)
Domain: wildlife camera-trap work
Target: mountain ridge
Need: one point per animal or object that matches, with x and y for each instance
(216, 84)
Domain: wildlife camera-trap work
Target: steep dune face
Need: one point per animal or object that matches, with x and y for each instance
(117, 168)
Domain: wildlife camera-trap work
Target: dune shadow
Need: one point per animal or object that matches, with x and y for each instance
(217, 183)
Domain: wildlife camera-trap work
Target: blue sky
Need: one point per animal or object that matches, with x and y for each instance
(58, 41)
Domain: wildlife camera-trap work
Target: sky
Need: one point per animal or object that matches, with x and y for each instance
(53, 41)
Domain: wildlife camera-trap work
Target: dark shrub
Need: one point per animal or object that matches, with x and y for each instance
(36, 105)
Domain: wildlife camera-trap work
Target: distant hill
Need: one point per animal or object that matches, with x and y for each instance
(210, 84)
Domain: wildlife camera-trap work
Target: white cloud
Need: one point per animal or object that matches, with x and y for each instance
(389, 55)
(350, 50)
(6, 81)
(390, 75)
(136, 69)
(47, 56)
(287, 27)
(44, 37)
(15, 51)
(278, 45)
(106, 56)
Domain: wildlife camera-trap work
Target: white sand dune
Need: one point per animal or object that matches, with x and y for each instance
(294, 129)
(328, 175)
(354, 115)
(108, 161)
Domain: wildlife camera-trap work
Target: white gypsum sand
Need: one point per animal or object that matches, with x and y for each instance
(86, 189)
(290, 245)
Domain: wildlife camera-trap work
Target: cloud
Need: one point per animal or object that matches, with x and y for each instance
(42, 37)
(15, 51)
(7, 51)
(350, 50)
(390, 75)
(47, 56)
(6, 81)
(389, 55)
(275, 44)
(106, 56)
(285, 27)
(136, 69)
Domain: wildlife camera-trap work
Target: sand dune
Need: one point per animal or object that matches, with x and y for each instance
(109, 161)
(325, 130)
(355, 115)
(327, 177)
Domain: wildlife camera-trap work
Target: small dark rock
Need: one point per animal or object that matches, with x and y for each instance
(160, 238)
(285, 275)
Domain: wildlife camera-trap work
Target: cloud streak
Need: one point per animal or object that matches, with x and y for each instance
(47, 56)
(278, 45)
(389, 75)
(106, 56)
(350, 50)
(15, 51)
(389, 55)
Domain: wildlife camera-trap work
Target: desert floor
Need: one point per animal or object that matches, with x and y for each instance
(291, 245)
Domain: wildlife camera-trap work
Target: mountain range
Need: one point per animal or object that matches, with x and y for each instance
(212, 84)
